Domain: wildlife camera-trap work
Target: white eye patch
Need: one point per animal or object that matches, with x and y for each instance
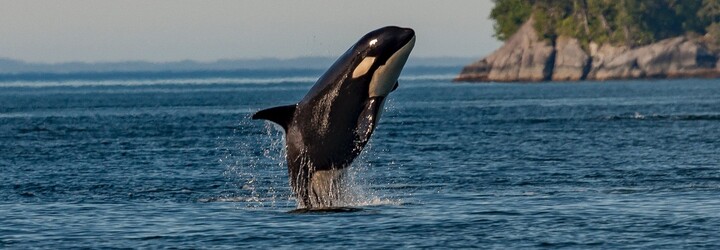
(363, 67)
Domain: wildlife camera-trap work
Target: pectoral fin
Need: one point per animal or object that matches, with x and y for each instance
(368, 120)
(397, 84)
(281, 115)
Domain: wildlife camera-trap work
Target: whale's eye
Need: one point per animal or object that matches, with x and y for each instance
(373, 42)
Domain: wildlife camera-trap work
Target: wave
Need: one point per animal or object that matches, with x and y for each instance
(149, 82)
(433, 77)
(250, 199)
(127, 112)
(609, 118)
(672, 117)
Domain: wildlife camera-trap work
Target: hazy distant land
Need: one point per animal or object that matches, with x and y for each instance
(10, 66)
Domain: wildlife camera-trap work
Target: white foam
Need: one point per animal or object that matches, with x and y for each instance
(377, 201)
(435, 77)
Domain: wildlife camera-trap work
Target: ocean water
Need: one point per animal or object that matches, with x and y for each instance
(169, 160)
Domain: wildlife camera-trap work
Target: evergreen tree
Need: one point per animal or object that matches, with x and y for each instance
(620, 22)
(509, 15)
(710, 11)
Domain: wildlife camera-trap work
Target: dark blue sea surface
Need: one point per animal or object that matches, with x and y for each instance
(151, 161)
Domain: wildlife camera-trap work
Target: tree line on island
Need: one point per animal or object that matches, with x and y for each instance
(619, 22)
(572, 40)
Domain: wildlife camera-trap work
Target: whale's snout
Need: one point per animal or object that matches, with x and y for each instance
(407, 34)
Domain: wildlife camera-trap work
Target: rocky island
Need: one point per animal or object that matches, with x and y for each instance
(573, 40)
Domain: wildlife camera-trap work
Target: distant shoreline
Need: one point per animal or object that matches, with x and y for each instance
(184, 74)
(17, 67)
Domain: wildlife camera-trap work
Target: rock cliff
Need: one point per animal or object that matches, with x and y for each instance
(524, 57)
(527, 58)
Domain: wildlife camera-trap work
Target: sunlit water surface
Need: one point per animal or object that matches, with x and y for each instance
(176, 162)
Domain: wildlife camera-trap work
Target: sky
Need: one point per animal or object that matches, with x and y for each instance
(52, 31)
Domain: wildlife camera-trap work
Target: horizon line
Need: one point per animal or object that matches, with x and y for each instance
(248, 59)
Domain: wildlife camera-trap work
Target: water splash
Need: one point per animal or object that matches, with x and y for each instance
(638, 116)
(257, 171)
(255, 166)
(359, 181)
(362, 179)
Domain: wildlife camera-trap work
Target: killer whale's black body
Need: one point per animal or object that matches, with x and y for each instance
(331, 125)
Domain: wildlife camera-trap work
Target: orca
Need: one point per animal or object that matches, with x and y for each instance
(331, 125)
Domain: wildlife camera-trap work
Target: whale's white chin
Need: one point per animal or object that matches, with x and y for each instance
(385, 76)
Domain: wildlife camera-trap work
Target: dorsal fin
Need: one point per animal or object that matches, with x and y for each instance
(281, 115)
